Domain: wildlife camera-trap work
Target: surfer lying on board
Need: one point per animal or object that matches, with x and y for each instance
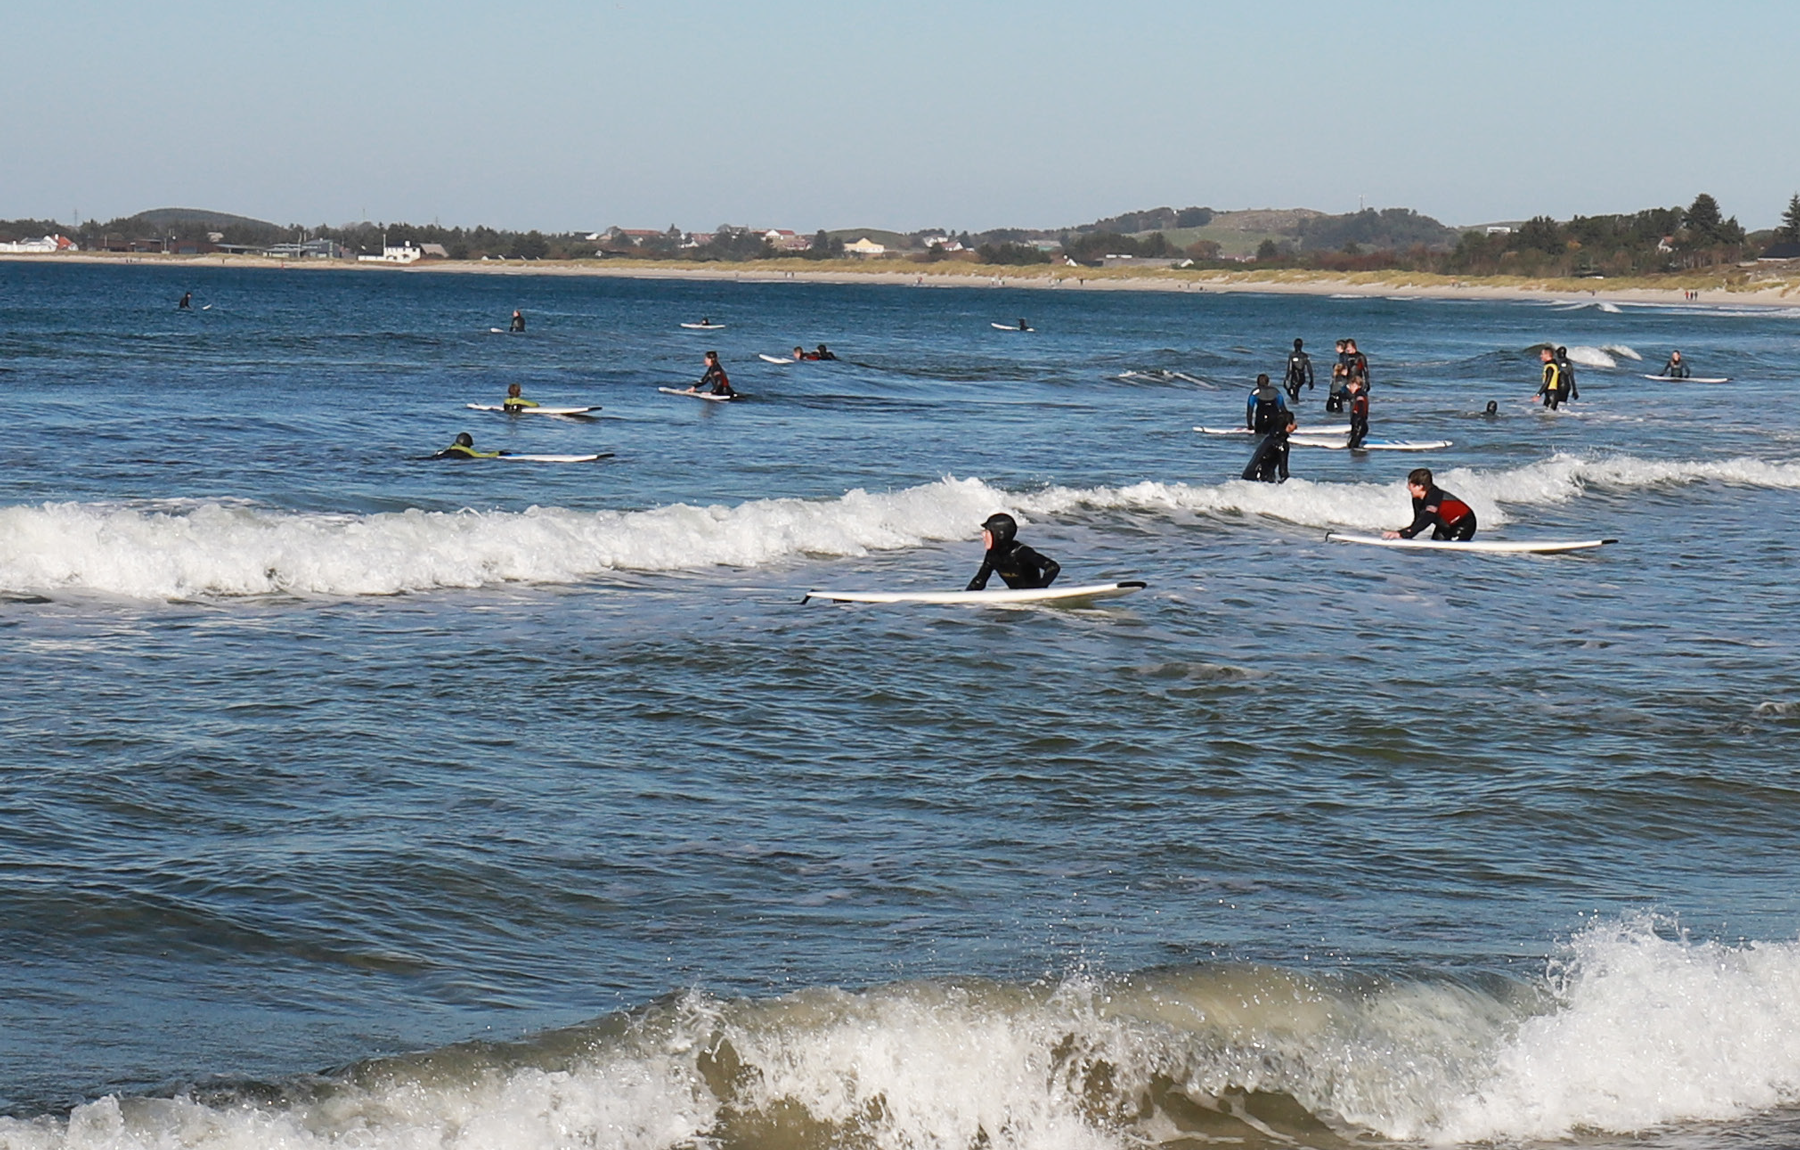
(464, 448)
(1022, 568)
(1271, 458)
(1447, 516)
(515, 401)
(518, 321)
(822, 353)
(714, 382)
(1265, 407)
(1677, 367)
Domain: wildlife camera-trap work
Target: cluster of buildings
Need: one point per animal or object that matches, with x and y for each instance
(44, 246)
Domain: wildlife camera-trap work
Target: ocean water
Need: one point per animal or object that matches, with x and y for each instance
(357, 800)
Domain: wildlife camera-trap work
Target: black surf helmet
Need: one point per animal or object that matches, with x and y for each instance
(464, 439)
(1002, 526)
(1298, 344)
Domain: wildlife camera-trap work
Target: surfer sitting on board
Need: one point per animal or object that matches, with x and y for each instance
(1551, 388)
(1565, 369)
(1264, 408)
(464, 448)
(714, 381)
(514, 401)
(1022, 568)
(1299, 371)
(1271, 458)
(518, 321)
(1677, 367)
(187, 301)
(1359, 413)
(1447, 516)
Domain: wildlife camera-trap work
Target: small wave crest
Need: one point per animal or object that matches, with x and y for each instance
(1635, 1026)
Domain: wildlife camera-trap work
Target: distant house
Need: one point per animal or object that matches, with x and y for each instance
(865, 247)
(1781, 251)
(319, 249)
(47, 245)
(434, 251)
(1498, 230)
(405, 253)
(783, 240)
(944, 242)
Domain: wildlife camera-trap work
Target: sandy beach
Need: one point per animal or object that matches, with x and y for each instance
(1734, 285)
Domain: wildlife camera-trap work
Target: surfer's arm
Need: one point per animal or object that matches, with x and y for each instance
(980, 582)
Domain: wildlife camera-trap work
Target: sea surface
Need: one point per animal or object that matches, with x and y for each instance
(353, 799)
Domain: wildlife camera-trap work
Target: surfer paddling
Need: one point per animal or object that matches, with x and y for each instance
(464, 448)
(1447, 516)
(515, 400)
(1018, 565)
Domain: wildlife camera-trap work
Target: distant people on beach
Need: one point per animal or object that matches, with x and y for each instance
(518, 321)
(1299, 371)
(1269, 463)
(1447, 516)
(1265, 407)
(1677, 367)
(1020, 567)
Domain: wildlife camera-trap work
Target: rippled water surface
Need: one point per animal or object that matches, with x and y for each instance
(356, 799)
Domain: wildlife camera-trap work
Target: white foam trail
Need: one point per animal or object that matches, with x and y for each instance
(213, 550)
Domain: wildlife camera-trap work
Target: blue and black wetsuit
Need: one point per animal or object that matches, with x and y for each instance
(1264, 409)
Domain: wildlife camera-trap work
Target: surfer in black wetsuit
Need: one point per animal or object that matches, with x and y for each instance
(823, 353)
(1565, 370)
(1447, 516)
(1677, 367)
(1270, 463)
(1023, 326)
(1265, 407)
(1022, 568)
(187, 301)
(464, 448)
(1299, 371)
(1359, 413)
(518, 321)
(715, 381)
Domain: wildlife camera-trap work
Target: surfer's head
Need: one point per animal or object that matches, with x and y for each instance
(1001, 528)
(1493, 407)
(1419, 477)
(464, 439)
(1546, 354)
(1298, 344)
(512, 390)
(1262, 379)
(1562, 353)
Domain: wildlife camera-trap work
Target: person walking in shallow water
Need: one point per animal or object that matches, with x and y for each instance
(1299, 372)
(1551, 387)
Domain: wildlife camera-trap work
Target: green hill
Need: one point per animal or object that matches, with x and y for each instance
(169, 217)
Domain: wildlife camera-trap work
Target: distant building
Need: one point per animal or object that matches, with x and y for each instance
(1781, 251)
(865, 247)
(434, 251)
(1499, 230)
(47, 245)
(405, 253)
(944, 242)
(783, 240)
(319, 249)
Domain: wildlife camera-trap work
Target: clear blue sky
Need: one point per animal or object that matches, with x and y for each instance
(971, 115)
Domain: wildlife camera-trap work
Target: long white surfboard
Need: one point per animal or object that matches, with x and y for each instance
(783, 360)
(986, 598)
(1480, 546)
(1342, 442)
(529, 457)
(706, 395)
(1315, 432)
(540, 410)
(1009, 327)
(1690, 378)
(704, 326)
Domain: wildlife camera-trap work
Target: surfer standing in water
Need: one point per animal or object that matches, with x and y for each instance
(1565, 369)
(1359, 413)
(1551, 389)
(715, 381)
(1270, 463)
(1022, 568)
(1264, 410)
(1447, 516)
(518, 321)
(1299, 371)
(187, 301)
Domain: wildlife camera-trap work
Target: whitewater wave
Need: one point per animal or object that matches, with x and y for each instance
(1635, 1026)
(1621, 350)
(215, 550)
(1591, 357)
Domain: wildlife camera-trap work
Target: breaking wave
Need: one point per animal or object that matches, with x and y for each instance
(217, 550)
(1634, 1026)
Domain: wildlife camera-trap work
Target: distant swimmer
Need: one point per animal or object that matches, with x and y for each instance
(1023, 326)
(187, 301)
(1018, 565)
(800, 352)
(823, 352)
(1270, 462)
(1264, 407)
(1359, 413)
(515, 401)
(518, 321)
(1493, 408)
(1566, 369)
(1447, 516)
(1551, 388)
(464, 448)
(1299, 371)
(715, 381)
(1677, 367)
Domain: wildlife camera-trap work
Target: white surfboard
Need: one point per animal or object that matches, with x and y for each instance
(704, 326)
(1479, 546)
(1340, 443)
(540, 410)
(530, 457)
(776, 359)
(706, 395)
(1690, 378)
(1317, 432)
(1009, 327)
(986, 598)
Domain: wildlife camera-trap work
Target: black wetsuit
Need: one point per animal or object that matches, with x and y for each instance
(1675, 370)
(1270, 463)
(1446, 515)
(715, 378)
(1566, 371)
(1022, 568)
(1299, 371)
(187, 301)
(518, 323)
(1264, 408)
(1359, 419)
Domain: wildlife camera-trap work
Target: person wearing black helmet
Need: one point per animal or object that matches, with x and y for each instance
(1299, 371)
(464, 448)
(1566, 369)
(1022, 568)
(823, 353)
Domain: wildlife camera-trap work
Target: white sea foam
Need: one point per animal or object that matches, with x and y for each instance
(213, 550)
(1634, 1027)
(1620, 349)
(1591, 357)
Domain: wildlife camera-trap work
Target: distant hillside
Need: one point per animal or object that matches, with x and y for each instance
(890, 240)
(170, 217)
(1240, 234)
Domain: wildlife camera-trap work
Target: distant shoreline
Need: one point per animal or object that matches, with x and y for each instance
(1712, 286)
